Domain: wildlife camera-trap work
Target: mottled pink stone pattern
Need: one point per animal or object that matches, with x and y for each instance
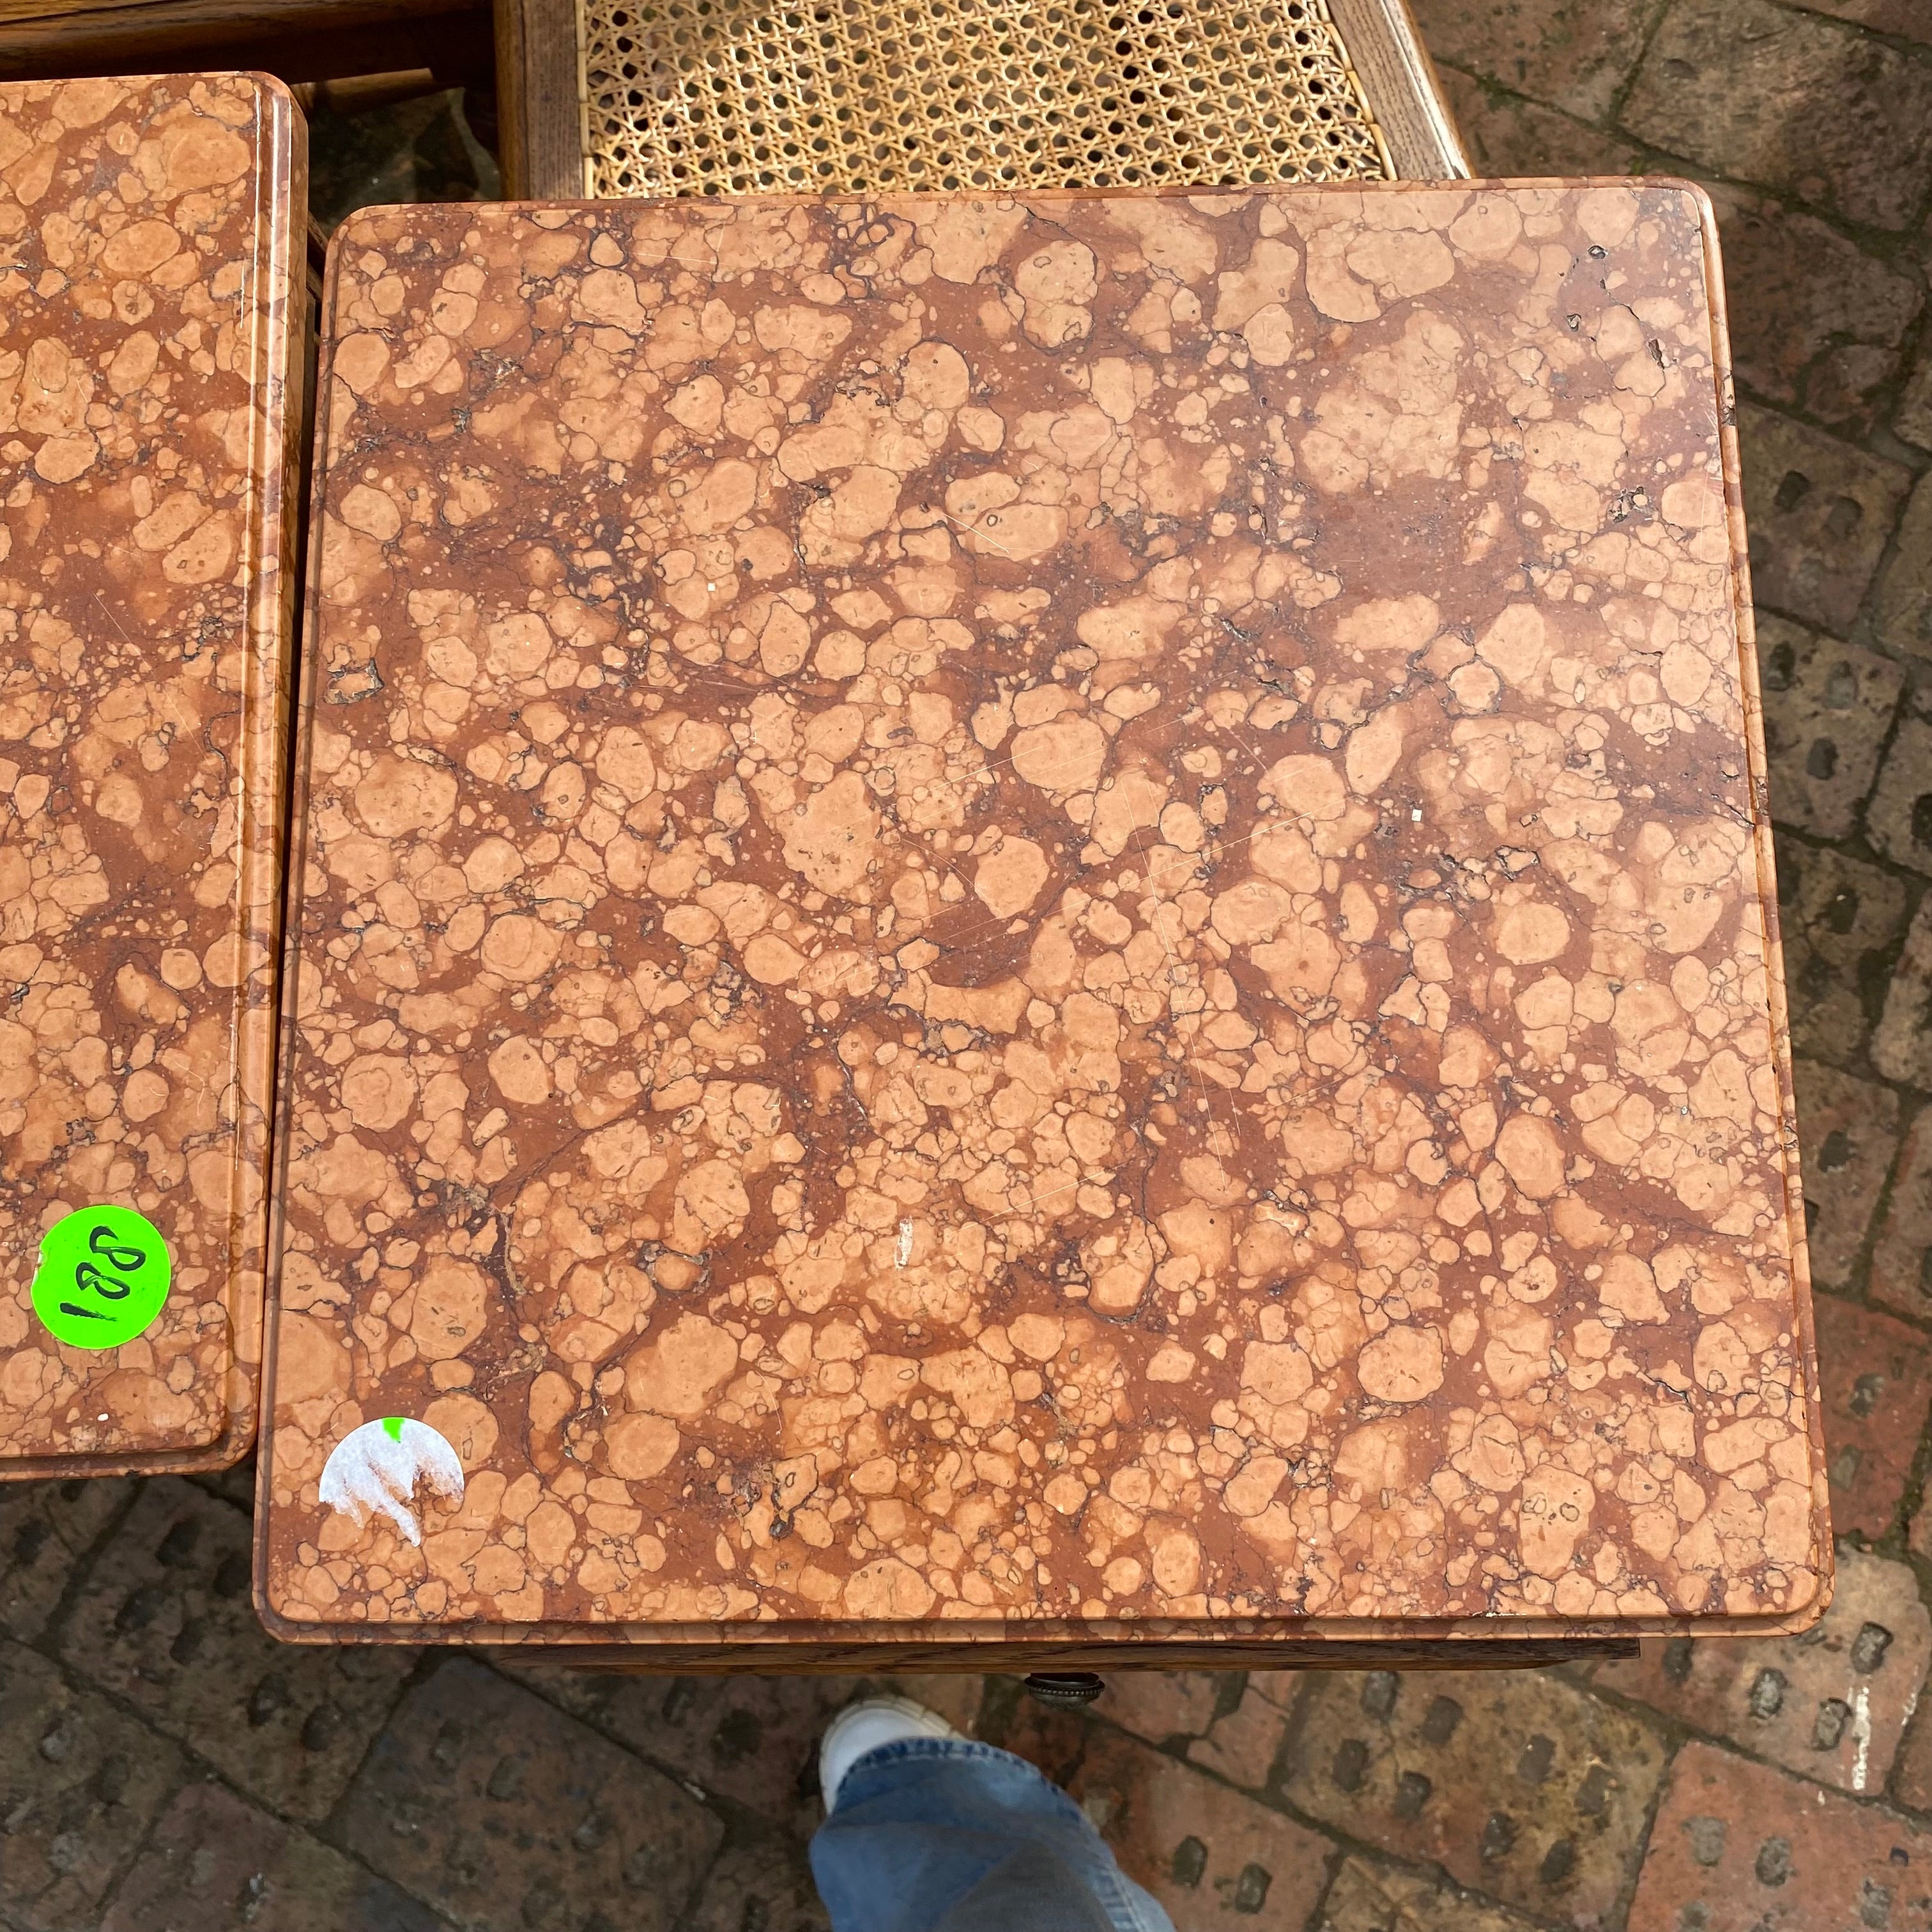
(1043, 919)
(147, 344)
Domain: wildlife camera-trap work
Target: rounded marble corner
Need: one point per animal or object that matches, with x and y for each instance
(369, 226)
(1695, 192)
(273, 87)
(236, 1446)
(283, 1627)
(1803, 1616)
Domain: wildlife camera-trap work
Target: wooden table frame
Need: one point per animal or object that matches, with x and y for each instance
(1255, 1654)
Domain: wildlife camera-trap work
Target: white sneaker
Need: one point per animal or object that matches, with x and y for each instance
(864, 1727)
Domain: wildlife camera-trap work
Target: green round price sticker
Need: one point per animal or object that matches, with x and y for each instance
(102, 1278)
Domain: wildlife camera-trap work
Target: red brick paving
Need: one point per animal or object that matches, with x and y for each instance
(1899, 1275)
(1245, 1746)
(1739, 1847)
(1518, 1783)
(1158, 1705)
(1213, 1859)
(1877, 1377)
(1849, 1129)
(1831, 1705)
(212, 1856)
(1911, 1770)
(1367, 1898)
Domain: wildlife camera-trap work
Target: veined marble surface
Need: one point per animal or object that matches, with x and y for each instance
(1042, 918)
(146, 344)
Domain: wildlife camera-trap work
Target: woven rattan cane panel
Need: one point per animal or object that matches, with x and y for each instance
(710, 96)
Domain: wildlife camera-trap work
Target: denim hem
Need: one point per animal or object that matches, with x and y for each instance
(1129, 1907)
(970, 1748)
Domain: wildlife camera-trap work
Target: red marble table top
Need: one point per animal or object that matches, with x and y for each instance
(1043, 918)
(146, 342)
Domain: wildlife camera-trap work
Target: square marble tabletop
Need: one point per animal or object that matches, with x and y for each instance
(1043, 919)
(146, 344)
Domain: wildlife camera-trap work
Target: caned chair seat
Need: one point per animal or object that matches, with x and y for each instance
(743, 97)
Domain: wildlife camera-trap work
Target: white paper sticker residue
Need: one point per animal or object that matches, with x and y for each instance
(374, 1471)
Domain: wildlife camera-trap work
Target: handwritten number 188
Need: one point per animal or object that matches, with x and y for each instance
(88, 1278)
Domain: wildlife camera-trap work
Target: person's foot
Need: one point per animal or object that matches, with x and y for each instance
(864, 1727)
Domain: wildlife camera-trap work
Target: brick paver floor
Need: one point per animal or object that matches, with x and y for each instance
(165, 1767)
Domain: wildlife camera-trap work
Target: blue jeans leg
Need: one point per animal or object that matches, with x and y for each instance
(945, 1835)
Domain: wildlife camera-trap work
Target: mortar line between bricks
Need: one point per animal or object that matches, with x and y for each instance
(1270, 1800)
(1313, 1921)
(119, 1877)
(729, 1813)
(685, 1921)
(327, 1828)
(1857, 1286)
(1851, 31)
(679, 1775)
(694, 1898)
(1857, 843)
(1341, 1843)
(1914, 1106)
(1866, 614)
(1896, 1541)
(1863, 29)
(203, 1770)
(1914, 463)
(1898, 42)
(1899, 249)
(1620, 94)
(1915, 341)
(721, 1803)
(1898, 252)
(1626, 1898)
(198, 1771)
(1229, 1689)
(45, 1640)
(1520, 1916)
(1851, 846)
(1881, 439)
(1336, 1858)
(1920, 1567)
